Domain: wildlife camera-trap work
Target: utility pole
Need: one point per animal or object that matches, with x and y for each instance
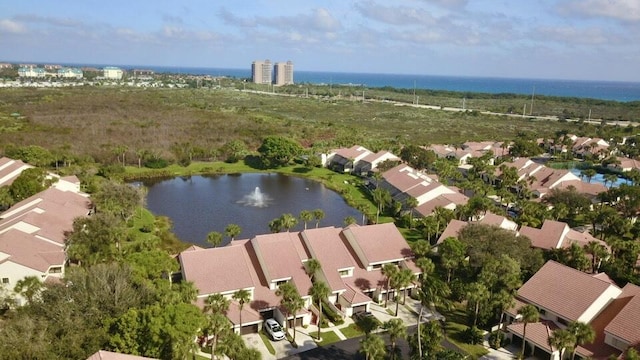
(414, 93)
(524, 111)
(463, 103)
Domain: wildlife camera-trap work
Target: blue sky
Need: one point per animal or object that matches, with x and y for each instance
(559, 39)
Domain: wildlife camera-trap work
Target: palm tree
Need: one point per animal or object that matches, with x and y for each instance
(410, 203)
(291, 301)
(561, 339)
(275, 225)
(372, 347)
(242, 296)
(529, 314)
(396, 283)
(217, 326)
(611, 179)
(349, 220)
(395, 329)
(305, 216)
(288, 221)
(311, 267)
(216, 304)
(214, 238)
(318, 214)
(381, 197)
(406, 279)
(388, 270)
(597, 252)
(319, 291)
(232, 230)
(583, 334)
(477, 293)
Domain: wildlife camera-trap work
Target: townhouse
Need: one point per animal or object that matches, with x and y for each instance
(563, 295)
(351, 261)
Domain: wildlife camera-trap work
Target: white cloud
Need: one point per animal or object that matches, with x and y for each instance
(397, 15)
(624, 10)
(12, 26)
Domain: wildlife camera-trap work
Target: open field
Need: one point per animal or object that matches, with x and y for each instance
(93, 120)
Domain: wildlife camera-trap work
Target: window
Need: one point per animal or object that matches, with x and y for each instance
(278, 283)
(55, 270)
(376, 266)
(562, 321)
(5, 280)
(542, 311)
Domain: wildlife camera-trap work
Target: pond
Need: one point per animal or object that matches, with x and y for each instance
(198, 205)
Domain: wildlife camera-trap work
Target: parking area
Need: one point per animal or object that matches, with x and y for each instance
(283, 348)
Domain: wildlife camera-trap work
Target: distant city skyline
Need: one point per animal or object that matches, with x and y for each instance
(545, 39)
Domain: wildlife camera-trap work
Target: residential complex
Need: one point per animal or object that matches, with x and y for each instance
(281, 73)
(351, 261)
(112, 73)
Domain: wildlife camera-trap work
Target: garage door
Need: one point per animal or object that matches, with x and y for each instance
(267, 314)
(249, 329)
(359, 309)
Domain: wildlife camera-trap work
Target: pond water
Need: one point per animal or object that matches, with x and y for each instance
(198, 205)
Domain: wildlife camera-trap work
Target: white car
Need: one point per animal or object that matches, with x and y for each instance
(274, 329)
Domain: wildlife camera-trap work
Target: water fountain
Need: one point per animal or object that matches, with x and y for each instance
(256, 199)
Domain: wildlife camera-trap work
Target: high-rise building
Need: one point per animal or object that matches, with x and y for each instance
(283, 73)
(261, 72)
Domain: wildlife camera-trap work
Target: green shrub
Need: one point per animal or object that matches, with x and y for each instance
(497, 339)
(472, 335)
(156, 163)
(331, 315)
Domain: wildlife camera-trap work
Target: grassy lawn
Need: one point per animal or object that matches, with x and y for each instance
(455, 326)
(328, 337)
(267, 343)
(351, 331)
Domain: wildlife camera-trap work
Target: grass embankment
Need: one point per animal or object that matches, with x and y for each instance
(351, 331)
(267, 343)
(455, 326)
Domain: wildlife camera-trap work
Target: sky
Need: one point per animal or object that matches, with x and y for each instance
(545, 39)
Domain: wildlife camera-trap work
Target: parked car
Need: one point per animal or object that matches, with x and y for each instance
(273, 329)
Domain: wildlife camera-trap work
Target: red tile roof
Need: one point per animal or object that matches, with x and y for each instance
(565, 291)
(626, 324)
(218, 270)
(108, 355)
(378, 243)
(28, 251)
(326, 245)
(537, 332)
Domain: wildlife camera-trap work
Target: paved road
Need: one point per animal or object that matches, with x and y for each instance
(348, 349)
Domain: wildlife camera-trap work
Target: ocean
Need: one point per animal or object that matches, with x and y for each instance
(603, 90)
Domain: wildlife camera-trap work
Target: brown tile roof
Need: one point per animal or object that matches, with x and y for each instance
(378, 243)
(108, 355)
(548, 237)
(354, 296)
(537, 332)
(582, 187)
(626, 324)
(10, 169)
(326, 245)
(218, 270)
(452, 230)
(447, 201)
(565, 291)
(249, 315)
(28, 251)
(280, 260)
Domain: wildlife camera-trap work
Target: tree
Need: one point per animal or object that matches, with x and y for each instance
(6, 200)
(29, 287)
(217, 326)
(275, 225)
(382, 198)
(242, 296)
(278, 151)
(232, 230)
(372, 347)
(318, 214)
(349, 220)
(561, 339)
(216, 304)
(583, 334)
(388, 270)
(94, 239)
(410, 203)
(452, 254)
(288, 221)
(305, 216)
(396, 330)
(319, 291)
(597, 252)
(214, 238)
(477, 294)
(406, 279)
(588, 173)
(32, 154)
(312, 267)
(117, 199)
(611, 179)
(288, 296)
(28, 183)
(417, 157)
(425, 343)
(529, 314)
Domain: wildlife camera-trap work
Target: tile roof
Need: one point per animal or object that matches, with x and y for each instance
(626, 324)
(10, 169)
(28, 251)
(280, 259)
(537, 332)
(447, 201)
(378, 243)
(548, 237)
(452, 230)
(565, 291)
(326, 245)
(355, 297)
(218, 270)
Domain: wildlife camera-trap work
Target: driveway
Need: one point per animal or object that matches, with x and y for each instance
(283, 348)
